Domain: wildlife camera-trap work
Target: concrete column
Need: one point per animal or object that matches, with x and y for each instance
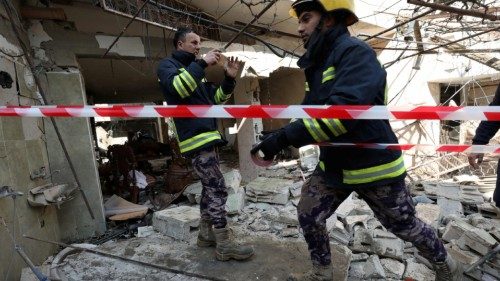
(75, 222)
(246, 92)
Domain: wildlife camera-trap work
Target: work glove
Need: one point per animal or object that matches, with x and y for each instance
(272, 143)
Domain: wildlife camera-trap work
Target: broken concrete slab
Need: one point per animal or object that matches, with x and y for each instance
(428, 213)
(393, 268)
(455, 230)
(235, 202)
(353, 221)
(231, 178)
(378, 242)
(373, 268)
(357, 271)
(296, 188)
(145, 231)
(489, 211)
(178, 222)
(339, 234)
(342, 257)
(352, 206)
(479, 221)
(453, 191)
(359, 257)
(464, 257)
(449, 207)
(418, 271)
(270, 190)
(477, 240)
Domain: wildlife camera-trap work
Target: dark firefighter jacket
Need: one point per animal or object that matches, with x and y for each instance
(343, 70)
(487, 129)
(181, 79)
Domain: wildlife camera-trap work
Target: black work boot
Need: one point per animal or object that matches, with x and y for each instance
(317, 273)
(227, 248)
(448, 270)
(206, 236)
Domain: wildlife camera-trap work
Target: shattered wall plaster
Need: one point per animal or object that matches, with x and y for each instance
(125, 46)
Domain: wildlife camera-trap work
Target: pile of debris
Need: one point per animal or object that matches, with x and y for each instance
(362, 248)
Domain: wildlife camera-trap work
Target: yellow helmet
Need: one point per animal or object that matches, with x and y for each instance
(329, 5)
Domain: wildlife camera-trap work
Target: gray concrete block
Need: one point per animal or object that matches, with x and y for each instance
(352, 221)
(339, 234)
(379, 242)
(373, 268)
(449, 207)
(342, 257)
(235, 202)
(357, 271)
(393, 268)
(418, 271)
(177, 222)
(455, 230)
(296, 188)
(464, 257)
(270, 190)
(352, 206)
(231, 178)
(453, 191)
(479, 221)
(359, 257)
(478, 240)
(428, 213)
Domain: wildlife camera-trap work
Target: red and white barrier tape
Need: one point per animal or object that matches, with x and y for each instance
(490, 113)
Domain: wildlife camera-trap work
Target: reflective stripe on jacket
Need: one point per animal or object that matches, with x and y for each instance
(181, 79)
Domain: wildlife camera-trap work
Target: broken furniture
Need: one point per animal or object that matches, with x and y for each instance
(118, 209)
(122, 162)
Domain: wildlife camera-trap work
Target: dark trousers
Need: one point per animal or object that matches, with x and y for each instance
(392, 205)
(214, 192)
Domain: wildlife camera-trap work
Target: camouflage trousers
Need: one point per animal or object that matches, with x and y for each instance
(392, 205)
(214, 192)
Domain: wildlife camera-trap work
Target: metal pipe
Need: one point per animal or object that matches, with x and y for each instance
(125, 28)
(31, 64)
(122, 258)
(472, 13)
(250, 23)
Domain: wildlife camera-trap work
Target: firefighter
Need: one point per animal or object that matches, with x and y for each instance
(342, 70)
(182, 80)
(484, 132)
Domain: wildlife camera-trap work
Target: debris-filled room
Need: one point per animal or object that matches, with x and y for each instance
(295, 140)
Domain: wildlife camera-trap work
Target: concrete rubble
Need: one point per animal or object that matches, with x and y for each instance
(362, 248)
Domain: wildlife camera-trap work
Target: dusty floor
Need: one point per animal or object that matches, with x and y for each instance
(273, 261)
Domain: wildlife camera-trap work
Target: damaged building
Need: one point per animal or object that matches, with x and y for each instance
(112, 198)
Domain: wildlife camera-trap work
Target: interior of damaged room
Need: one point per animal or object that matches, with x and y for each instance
(98, 180)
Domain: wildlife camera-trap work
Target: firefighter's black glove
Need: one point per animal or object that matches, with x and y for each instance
(272, 143)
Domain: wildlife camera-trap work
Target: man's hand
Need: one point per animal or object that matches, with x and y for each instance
(212, 57)
(475, 159)
(271, 144)
(232, 67)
